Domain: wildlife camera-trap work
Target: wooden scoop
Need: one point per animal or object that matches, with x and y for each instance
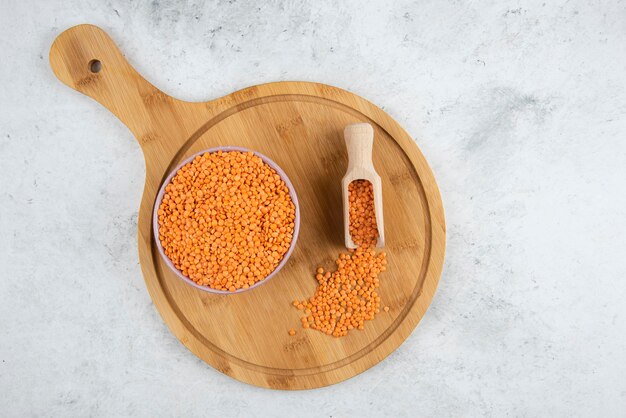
(359, 141)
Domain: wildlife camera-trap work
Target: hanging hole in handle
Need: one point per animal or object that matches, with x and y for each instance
(95, 66)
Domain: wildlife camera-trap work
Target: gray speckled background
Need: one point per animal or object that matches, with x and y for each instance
(520, 108)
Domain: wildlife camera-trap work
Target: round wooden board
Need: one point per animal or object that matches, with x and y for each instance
(299, 125)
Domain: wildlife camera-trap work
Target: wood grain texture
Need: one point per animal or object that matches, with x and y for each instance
(300, 126)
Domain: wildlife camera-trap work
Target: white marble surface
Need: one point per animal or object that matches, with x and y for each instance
(519, 107)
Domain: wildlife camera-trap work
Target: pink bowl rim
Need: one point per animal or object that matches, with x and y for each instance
(159, 199)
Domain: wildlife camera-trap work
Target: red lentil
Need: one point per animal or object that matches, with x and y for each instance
(348, 297)
(226, 220)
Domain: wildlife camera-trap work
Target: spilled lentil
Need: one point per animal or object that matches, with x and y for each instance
(226, 220)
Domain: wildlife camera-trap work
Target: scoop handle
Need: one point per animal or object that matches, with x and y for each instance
(359, 139)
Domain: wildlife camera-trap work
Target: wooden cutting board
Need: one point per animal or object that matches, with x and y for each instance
(299, 125)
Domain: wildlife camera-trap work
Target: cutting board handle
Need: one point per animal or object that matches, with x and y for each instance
(86, 59)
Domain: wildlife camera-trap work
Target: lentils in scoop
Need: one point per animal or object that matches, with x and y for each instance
(348, 297)
(363, 228)
(226, 220)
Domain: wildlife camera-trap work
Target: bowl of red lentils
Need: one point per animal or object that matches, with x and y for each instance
(226, 220)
